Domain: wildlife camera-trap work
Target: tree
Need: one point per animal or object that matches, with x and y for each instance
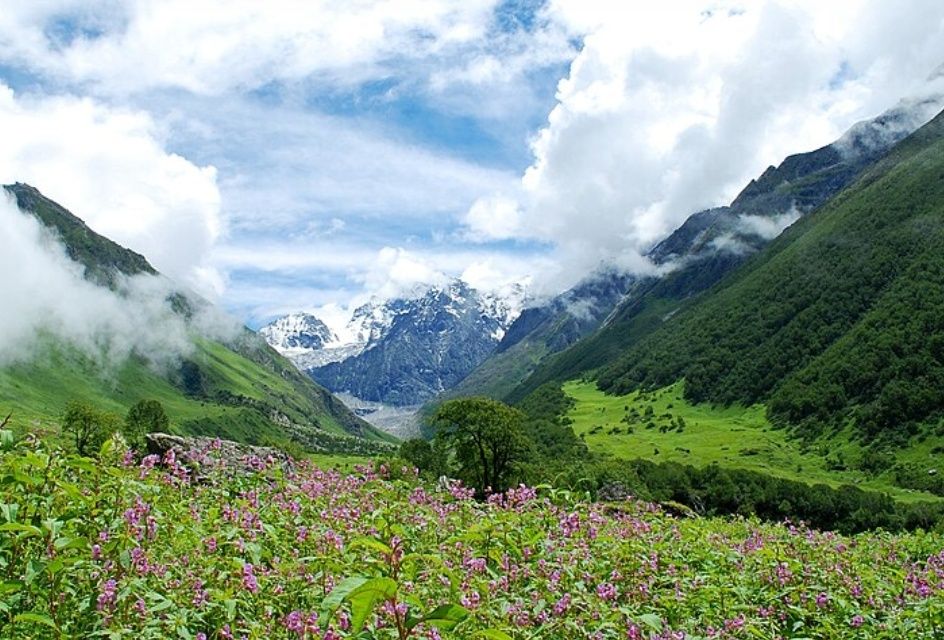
(487, 438)
(147, 416)
(89, 427)
(431, 458)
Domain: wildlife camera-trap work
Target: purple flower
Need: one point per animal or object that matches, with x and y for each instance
(249, 579)
(606, 591)
(108, 596)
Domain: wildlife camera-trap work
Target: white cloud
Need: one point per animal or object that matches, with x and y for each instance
(768, 227)
(218, 45)
(665, 109)
(670, 108)
(49, 296)
(493, 218)
(108, 166)
(291, 167)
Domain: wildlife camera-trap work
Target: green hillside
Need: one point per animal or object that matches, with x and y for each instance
(841, 318)
(241, 390)
(801, 183)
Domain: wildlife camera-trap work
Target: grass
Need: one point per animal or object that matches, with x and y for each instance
(340, 462)
(737, 437)
(37, 392)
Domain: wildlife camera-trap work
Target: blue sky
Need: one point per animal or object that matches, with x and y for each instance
(307, 155)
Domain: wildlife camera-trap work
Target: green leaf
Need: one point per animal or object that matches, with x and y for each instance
(10, 587)
(445, 617)
(24, 528)
(9, 511)
(493, 634)
(65, 542)
(652, 621)
(163, 605)
(55, 566)
(83, 464)
(364, 598)
(371, 543)
(36, 618)
(230, 605)
(334, 599)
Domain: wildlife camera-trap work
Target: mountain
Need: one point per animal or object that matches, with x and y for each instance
(301, 331)
(544, 330)
(550, 344)
(406, 350)
(839, 320)
(238, 388)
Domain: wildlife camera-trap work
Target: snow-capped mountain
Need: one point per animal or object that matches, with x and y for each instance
(401, 351)
(297, 331)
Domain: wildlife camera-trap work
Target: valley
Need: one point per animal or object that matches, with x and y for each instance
(731, 437)
(498, 320)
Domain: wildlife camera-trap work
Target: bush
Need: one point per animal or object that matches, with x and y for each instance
(88, 427)
(147, 416)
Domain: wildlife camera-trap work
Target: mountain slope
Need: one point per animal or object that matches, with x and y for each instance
(715, 242)
(541, 331)
(841, 317)
(240, 389)
(425, 346)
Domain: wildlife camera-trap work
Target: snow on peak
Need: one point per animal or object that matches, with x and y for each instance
(308, 342)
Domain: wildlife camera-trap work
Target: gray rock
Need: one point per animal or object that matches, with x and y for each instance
(200, 453)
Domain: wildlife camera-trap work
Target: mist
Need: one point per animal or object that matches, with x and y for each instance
(46, 299)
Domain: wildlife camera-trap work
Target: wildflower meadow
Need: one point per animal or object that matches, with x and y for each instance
(122, 547)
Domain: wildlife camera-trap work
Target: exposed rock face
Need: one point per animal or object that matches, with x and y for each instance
(202, 453)
(403, 351)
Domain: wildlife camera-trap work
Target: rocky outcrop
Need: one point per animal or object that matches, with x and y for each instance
(202, 453)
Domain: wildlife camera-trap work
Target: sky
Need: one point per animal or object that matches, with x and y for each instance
(308, 154)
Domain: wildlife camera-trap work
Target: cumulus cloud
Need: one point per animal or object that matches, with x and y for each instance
(49, 297)
(672, 108)
(493, 218)
(109, 167)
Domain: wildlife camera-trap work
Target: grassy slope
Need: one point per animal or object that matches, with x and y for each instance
(730, 436)
(36, 393)
(242, 382)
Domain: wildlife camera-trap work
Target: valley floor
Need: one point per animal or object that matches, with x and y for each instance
(661, 426)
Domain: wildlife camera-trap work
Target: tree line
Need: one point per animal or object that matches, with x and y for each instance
(492, 446)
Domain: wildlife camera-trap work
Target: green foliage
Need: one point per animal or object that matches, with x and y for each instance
(487, 439)
(430, 458)
(241, 398)
(102, 550)
(88, 427)
(145, 416)
(842, 313)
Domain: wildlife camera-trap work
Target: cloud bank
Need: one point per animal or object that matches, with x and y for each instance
(669, 109)
(227, 142)
(49, 297)
(109, 167)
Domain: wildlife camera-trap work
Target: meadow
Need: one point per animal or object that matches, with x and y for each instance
(125, 548)
(662, 426)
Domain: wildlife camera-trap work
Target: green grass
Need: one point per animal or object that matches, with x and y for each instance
(36, 393)
(341, 462)
(737, 437)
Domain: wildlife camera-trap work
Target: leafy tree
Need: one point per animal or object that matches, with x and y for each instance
(88, 427)
(147, 416)
(487, 437)
(430, 458)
